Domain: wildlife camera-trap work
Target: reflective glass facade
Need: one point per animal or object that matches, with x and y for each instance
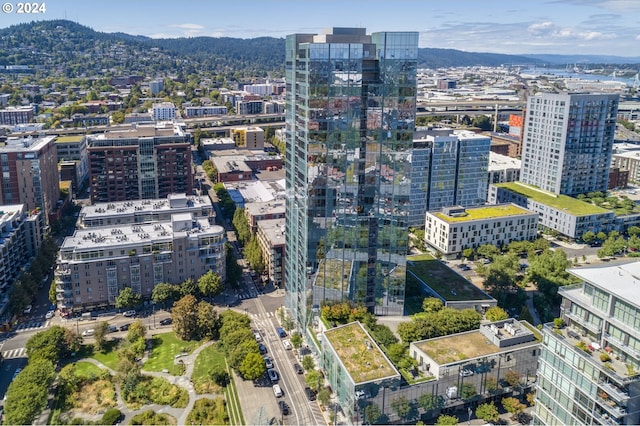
(350, 116)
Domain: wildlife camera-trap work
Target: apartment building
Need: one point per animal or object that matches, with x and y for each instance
(16, 115)
(567, 142)
(148, 161)
(163, 111)
(30, 174)
(248, 137)
(73, 159)
(203, 111)
(96, 263)
(270, 235)
(455, 228)
(588, 368)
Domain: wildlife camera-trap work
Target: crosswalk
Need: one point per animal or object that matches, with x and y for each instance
(265, 315)
(34, 325)
(15, 353)
(249, 295)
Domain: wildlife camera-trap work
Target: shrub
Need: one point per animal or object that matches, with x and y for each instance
(111, 416)
(605, 357)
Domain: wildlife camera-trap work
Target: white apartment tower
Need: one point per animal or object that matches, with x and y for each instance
(567, 142)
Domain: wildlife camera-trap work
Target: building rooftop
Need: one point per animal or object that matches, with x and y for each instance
(363, 360)
(623, 281)
(25, 144)
(443, 280)
(231, 164)
(273, 230)
(69, 139)
(559, 202)
(484, 212)
(269, 207)
(141, 130)
(502, 162)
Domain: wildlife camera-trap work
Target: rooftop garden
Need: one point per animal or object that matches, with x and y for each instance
(442, 279)
(446, 350)
(561, 202)
(486, 212)
(620, 205)
(364, 362)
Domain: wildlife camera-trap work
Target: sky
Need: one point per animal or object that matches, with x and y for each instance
(593, 27)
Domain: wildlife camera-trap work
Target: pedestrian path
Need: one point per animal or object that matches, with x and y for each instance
(15, 353)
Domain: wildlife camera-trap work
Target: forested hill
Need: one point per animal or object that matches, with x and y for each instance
(74, 49)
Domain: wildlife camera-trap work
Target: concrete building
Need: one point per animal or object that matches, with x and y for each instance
(569, 216)
(30, 174)
(618, 179)
(217, 144)
(448, 168)
(156, 86)
(16, 115)
(503, 168)
(96, 263)
(567, 142)
(265, 210)
(455, 228)
(73, 159)
(629, 161)
(588, 369)
(231, 169)
(147, 161)
(248, 137)
(247, 106)
(163, 111)
(207, 110)
(348, 150)
(270, 236)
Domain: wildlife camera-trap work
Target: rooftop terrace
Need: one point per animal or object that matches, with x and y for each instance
(442, 279)
(559, 202)
(485, 212)
(358, 352)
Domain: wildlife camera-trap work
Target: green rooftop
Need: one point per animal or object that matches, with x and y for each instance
(559, 202)
(363, 362)
(458, 347)
(485, 212)
(69, 139)
(442, 279)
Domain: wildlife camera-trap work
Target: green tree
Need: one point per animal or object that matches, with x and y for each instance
(210, 284)
(444, 420)
(241, 224)
(188, 287)
(468, 253)
(27, 394)
(430, 402)
(313, 379)
(487, 412)
(296, 340)
(252, 367)
(483, 122)
(253, 254)
(164, 292)
(308, 363)
(207, 321)
(100, 335)
(496, 313)
(512, 405)
(324, 396)
(633, 230)
(488, 251)
(589, 237)
(432, 304)
(127, 298)
(136, 331)
(468, 391)
(372, 414)
(183, 313)
(401, 406)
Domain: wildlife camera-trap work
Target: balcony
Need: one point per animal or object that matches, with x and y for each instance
(586, 324)
(614, 391)
(611, 407)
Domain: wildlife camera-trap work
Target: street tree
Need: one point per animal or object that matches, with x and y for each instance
(252, 367)
(100, 335)
(589, 237)
(444, 420)
(296, 340)
(207, 321)
(372, 414)
(512, 405)
(127, 298)
(210, 284)
(308, 363)
(402, 407)
(184, 317)
(313, 379)
(188, 287)
(164, 293)
(136, 331)
(487, 412)
(239, 352)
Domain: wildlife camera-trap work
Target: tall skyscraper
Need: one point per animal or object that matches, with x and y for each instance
(351, 101)
(567, 142)
(588, 368)
(448, 168)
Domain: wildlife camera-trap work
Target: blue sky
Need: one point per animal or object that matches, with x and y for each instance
(610, 27)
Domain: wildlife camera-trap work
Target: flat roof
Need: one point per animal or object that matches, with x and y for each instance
(449, 285)
(359, 353)
(623, 281)
(128, 208)
(69, 139)
(559, 202)
(486, 212)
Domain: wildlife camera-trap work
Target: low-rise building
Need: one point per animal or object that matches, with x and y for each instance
(16, 115)
(163, 111)
(95, 264)
(261, 210)
(231, 170)
(205, 110)
(589, 367)
(566, 215)
(455, 228)
(270, 236)
(248, 137)
(503, 168)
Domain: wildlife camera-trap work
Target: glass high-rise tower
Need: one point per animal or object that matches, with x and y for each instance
(351, 102)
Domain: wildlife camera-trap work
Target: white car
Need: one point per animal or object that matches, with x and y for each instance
(49, 315)
(27, 310)
(277, 391)
(88, 332)
(287, 345)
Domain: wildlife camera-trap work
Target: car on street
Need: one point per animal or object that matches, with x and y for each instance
(298, 368)
(277, 391)
(273, 374)
(88, 332)
(130, 314)
(124, 327)
(311, 395)
(284, 408)
(49, 315)
(113, 329)
(262, 348)
(27, 310)
(257, 336)
(281, 332)
(267, 362)
(465, 372)
(287, 345)
(165, 321)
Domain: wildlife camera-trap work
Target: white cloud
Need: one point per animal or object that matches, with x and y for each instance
(188, 26)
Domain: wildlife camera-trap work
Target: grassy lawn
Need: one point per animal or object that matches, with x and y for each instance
(109, 357)
(155, 390)
(442, 279)
(164, 349)
(208, 359)
(87, 370)
(485, 212)
(454, 348)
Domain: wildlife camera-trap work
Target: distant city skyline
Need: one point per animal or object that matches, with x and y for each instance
(589, 27)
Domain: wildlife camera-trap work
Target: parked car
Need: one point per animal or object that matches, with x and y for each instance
(165, 321)
(287, 345)
(262, 348)
(257, 336)
(130, 314)
(311, 395)
(298, 368)
(113, 329)
(124, 327)
(267, 362)
(277, 391)
(27, 310)
(49, 315)
(273, 374)
(88, 332)
(465, 372)
(284, 408)
(281, 332)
